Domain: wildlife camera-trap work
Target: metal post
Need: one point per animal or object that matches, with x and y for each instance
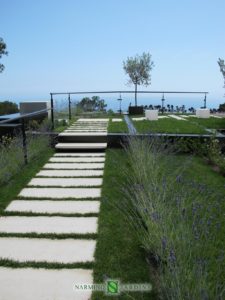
(205, 101)
(120, 99)
(163, 99)
(24, 141)
(135, 94)
(52, 111)
(69, 106)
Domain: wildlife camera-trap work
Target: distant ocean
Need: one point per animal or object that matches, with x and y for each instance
(195, 101)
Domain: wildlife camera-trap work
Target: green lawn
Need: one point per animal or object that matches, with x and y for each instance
(115, 127)
(211, 123)
(168, 126)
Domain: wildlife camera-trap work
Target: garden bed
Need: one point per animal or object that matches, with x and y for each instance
(119, 252)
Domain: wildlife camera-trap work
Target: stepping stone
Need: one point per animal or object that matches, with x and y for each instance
(83, 134)
(93, 120)
(218, 117)
(85, 131)
(47, 250)
(162, 117)
(80, 154)
(70, 173)
(61, 193)
(87, 127)
(49, 225)
(78, 166)
(54, 207)
(42, 284)
(139, 119)
(77, 159)
(117, 120)
(81, 146)
(65, 182)
(177, 117)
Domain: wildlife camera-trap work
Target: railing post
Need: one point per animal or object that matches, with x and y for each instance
(69, 106)
(163, 99)
(205, 101)
(52, 111)
(24, 140)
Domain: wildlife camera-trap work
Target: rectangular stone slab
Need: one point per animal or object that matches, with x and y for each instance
(43, 284)
(61, 193)
(84, 130)
(177, 117)
(70, 173)
(77, 159)
(54, 207)
(83, 134)
(66, 182)
(92, 120)
(54, 225)
(89, 125)
(85, 154)
(81, 146)
(47, 250)
(74, 166)
(117, 120)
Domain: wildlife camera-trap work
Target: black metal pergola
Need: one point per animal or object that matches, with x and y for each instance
(120, 92)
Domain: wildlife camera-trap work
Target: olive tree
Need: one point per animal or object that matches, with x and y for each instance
(138, 68)
(222, 68)
(2, 52)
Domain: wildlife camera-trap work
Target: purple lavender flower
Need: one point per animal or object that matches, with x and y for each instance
(172, 257)
(164, 243)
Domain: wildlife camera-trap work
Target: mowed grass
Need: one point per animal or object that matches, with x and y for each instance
(117, 127)
(168, 126)
(118, 252)
(211, 123)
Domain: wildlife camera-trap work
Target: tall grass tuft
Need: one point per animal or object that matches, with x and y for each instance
(12, 155)
(180, 223)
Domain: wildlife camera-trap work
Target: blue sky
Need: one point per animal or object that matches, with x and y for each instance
(80, 45)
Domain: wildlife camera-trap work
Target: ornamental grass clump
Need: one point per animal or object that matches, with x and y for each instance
(12, 155)
(179, 223)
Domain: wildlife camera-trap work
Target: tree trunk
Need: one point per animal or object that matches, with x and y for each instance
(135, 94)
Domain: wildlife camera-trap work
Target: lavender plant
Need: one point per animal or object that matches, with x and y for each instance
(177, 221)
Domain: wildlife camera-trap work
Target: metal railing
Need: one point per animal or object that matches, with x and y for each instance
(8, 124)
(120, 92)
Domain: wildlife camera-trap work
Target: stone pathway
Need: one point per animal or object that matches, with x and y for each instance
(62, 199)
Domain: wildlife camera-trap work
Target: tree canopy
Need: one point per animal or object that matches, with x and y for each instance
(92, 104)
(8, 107)
(2, 52)
(138, 69)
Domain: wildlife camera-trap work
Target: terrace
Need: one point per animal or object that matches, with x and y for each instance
(78, 205)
